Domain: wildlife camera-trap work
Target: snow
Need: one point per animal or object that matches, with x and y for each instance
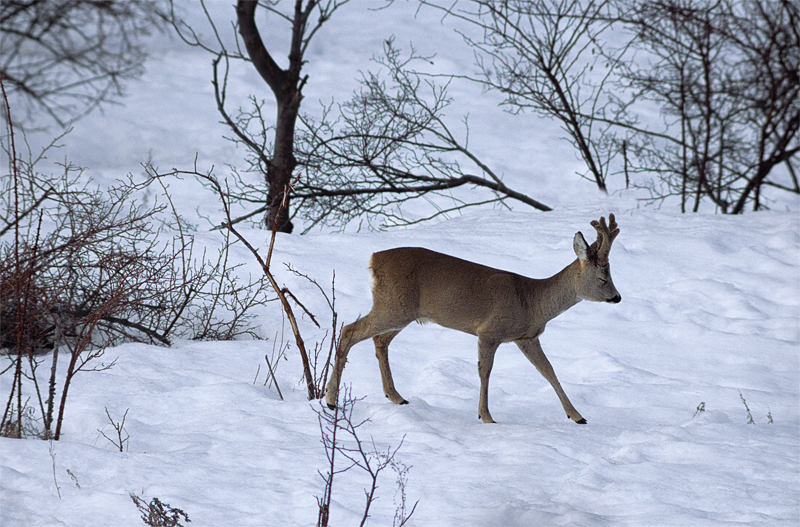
(709, 312)
(710, 315)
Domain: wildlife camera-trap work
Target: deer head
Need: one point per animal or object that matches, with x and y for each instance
(595, 278)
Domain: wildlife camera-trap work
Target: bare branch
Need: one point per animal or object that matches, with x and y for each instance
(67, 57)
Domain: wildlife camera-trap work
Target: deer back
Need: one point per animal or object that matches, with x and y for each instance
(423, 285)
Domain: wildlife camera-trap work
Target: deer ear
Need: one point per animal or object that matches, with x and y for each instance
(580, 246)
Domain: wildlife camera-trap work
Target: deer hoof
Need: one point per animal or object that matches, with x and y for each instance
(581, 422)
(396, 398)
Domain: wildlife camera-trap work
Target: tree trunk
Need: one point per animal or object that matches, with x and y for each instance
(286, 86)
(281, 167)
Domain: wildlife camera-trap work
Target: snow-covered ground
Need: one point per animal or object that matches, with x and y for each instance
(709, 315)
(710, 318)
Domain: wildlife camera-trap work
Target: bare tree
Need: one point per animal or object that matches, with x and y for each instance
(767, 80)
(67, 57)
(386, 146)
(540, 55)
(220, 189)
(79, 272)
(83, 269)
(275, 158)
(391, 144)
(725, 74)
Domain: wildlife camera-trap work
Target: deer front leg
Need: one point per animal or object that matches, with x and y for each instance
(486, 350)
(533, 351)
(382, 352)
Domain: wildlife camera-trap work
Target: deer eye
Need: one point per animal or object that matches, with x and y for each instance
(602, 280)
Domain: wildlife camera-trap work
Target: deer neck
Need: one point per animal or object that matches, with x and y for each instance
(552, 296)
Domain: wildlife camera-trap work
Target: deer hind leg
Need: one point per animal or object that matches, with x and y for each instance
(486, 351)
(360, 330)
(382, 352)
(351, 334)
(533, 351)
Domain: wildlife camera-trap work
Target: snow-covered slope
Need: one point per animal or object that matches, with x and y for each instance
(709, 315)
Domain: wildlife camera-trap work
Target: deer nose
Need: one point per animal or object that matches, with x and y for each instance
(616, 300)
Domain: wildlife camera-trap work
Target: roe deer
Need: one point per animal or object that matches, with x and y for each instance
(497, 306)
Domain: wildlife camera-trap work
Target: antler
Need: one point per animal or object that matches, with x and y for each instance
(605, 235)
